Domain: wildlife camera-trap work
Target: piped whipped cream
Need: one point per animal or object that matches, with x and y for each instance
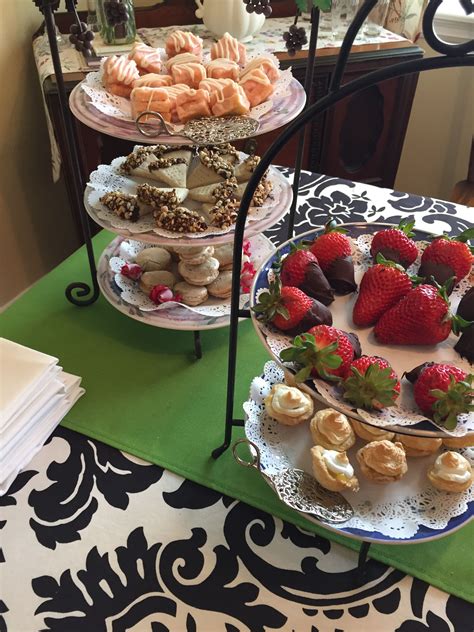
(451, 466)
(338, 463)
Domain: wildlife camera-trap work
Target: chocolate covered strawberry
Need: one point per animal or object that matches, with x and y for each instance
(371, 382)
(290, 309)
(448, 257)
(382, 286)
(333, 252)
(301, 269)
(465, 344)
(421, 317)
(396, 244)
(443, 392)
(322, 351)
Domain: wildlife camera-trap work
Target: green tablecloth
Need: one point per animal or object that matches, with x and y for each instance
(147, 395)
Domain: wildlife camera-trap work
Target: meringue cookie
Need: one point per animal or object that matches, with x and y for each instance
(418, 446)
(333, 470)
(451, 472)
(371, 433)
(288, 405)
(332, 430)
(382, 461)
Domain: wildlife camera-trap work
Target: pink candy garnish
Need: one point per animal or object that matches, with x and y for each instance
(132, 271)
(246, 276)
(162, 294)
(246, 248)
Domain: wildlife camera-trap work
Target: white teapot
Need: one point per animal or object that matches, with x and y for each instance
(221, 16)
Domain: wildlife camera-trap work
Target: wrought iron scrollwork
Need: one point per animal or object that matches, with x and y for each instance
(437, 44)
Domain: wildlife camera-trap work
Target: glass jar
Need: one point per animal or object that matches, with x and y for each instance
(117, 21)
(375, 21)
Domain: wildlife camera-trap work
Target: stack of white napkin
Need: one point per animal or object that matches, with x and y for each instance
(35, 394)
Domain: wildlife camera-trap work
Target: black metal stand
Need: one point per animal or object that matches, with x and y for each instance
(197, 345)
(454, 55)
(78, 293)
(362, 561)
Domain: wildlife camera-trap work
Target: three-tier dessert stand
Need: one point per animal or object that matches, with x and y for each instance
(451, 55)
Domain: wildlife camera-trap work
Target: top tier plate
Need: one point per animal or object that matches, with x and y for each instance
(285, 109)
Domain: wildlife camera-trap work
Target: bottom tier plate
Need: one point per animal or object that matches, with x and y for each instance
(179, 317)
(408, 511)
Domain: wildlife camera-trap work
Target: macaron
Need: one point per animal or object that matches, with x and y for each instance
(222, 286)
(195, 255)
(225, 256)
(202, 274)
(156, 277)
(191, 294)
(155, 258)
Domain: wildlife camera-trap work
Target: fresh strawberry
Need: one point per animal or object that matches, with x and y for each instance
(443, 392)
(301, 269)
(448, 257)
(371, 382)
(290, 309)
(322, 351)
(396, 244)
(382, 286)
(333, 252)
(421, 317)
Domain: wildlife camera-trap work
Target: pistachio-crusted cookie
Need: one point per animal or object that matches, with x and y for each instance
(122, 204)
(181, 220)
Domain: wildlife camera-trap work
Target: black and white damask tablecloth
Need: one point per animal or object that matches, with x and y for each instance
(96, 540)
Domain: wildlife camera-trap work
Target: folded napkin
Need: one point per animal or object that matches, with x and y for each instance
(35, 395)
(23, 372)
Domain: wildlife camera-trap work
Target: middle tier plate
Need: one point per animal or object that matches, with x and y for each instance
(212, 314)
(108, 178)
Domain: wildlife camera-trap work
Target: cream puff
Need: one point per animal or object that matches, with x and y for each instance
(467, 441)
(333, 470)
(371, 433)
(418, 446)
(451, 472)
(382, 461)
(332, 430)
(288, 405)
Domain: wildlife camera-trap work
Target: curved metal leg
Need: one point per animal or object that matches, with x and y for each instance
(362, 561)
(197, 345)
(80, 293)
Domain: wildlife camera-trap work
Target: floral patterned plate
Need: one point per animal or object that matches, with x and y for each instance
(118, 290)
(404, 417)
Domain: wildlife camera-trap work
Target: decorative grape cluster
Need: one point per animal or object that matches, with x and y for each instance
(81, 38)
(295, 38)
(115, 12)
(259, 7)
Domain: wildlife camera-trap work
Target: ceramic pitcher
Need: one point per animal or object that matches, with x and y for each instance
(221, 16)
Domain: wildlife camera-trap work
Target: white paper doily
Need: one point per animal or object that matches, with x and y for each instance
(396, 510)
(107, 178)
(126, 252)
(402, 359)
(120, 107)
